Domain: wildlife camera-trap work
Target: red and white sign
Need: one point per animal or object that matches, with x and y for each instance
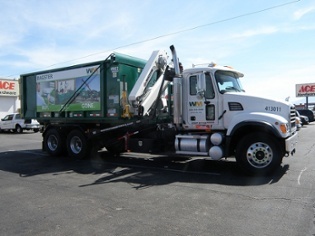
(303, 90)
(9, 88)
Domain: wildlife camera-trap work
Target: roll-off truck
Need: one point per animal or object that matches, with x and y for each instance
(128, 104)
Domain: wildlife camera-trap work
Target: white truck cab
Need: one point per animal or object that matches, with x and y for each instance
(218, 119)
(14, 122)
(214, 99)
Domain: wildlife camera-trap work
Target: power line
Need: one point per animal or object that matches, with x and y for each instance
(208, 24)
(178, 32)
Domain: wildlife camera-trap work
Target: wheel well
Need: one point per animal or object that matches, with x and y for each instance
(237, 135)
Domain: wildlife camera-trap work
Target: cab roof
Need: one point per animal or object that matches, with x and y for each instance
(212, 68)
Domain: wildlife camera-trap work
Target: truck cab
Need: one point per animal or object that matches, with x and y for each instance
(219, 119)
(13, 122)
(203, 89)
(214, 99)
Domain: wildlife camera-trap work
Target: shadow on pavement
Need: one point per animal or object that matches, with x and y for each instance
(140, 172)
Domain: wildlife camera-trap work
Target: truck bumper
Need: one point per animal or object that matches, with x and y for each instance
(32, 126)
(290, 143)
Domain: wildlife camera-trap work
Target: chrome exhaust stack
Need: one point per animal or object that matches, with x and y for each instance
(177, 89)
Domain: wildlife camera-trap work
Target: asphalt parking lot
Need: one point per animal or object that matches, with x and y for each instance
(138, 194)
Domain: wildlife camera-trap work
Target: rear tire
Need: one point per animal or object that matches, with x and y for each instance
(258, 153)
(77, 145)
(53, 142)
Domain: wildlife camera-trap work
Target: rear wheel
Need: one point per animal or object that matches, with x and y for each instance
(53, 142)
(77, 145)
(258, 153)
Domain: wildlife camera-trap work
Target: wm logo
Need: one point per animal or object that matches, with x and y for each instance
(195, 104)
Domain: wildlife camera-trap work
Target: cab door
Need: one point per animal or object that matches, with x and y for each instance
(201, 105)
(6, 122)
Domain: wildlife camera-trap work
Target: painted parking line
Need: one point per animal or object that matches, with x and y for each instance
(300, 175)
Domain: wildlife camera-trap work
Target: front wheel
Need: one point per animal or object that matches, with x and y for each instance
(77, 144)
(18, 129)
(258, 153)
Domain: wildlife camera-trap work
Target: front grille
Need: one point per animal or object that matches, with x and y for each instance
(292, 117)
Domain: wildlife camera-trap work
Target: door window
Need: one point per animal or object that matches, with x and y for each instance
(193, 85)
(209, 93)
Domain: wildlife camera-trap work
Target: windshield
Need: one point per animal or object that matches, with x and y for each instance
(228, 81)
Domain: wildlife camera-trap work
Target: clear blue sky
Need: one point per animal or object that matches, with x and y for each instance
(271, 41)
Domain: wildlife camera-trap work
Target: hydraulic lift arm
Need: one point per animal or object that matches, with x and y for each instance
(144, 93)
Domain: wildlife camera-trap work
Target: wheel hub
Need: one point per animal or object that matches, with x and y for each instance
(259, 155)
(52, 142)
(76, 145)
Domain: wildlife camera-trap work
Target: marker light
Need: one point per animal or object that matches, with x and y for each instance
(212, 64)
(283, 128)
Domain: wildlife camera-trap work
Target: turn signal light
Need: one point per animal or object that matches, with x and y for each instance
(283, 128)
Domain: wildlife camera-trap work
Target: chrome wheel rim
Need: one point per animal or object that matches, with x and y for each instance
(76, 145)
(259, 155)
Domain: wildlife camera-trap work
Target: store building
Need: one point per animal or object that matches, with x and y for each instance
(9, 96)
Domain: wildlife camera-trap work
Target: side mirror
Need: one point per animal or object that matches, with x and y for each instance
(201, 86)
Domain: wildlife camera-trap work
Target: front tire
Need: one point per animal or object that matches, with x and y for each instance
(77, 145)
(18, 129)
(258, 153)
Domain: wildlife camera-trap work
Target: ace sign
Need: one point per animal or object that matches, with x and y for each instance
(9, 88)
(304, 90)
